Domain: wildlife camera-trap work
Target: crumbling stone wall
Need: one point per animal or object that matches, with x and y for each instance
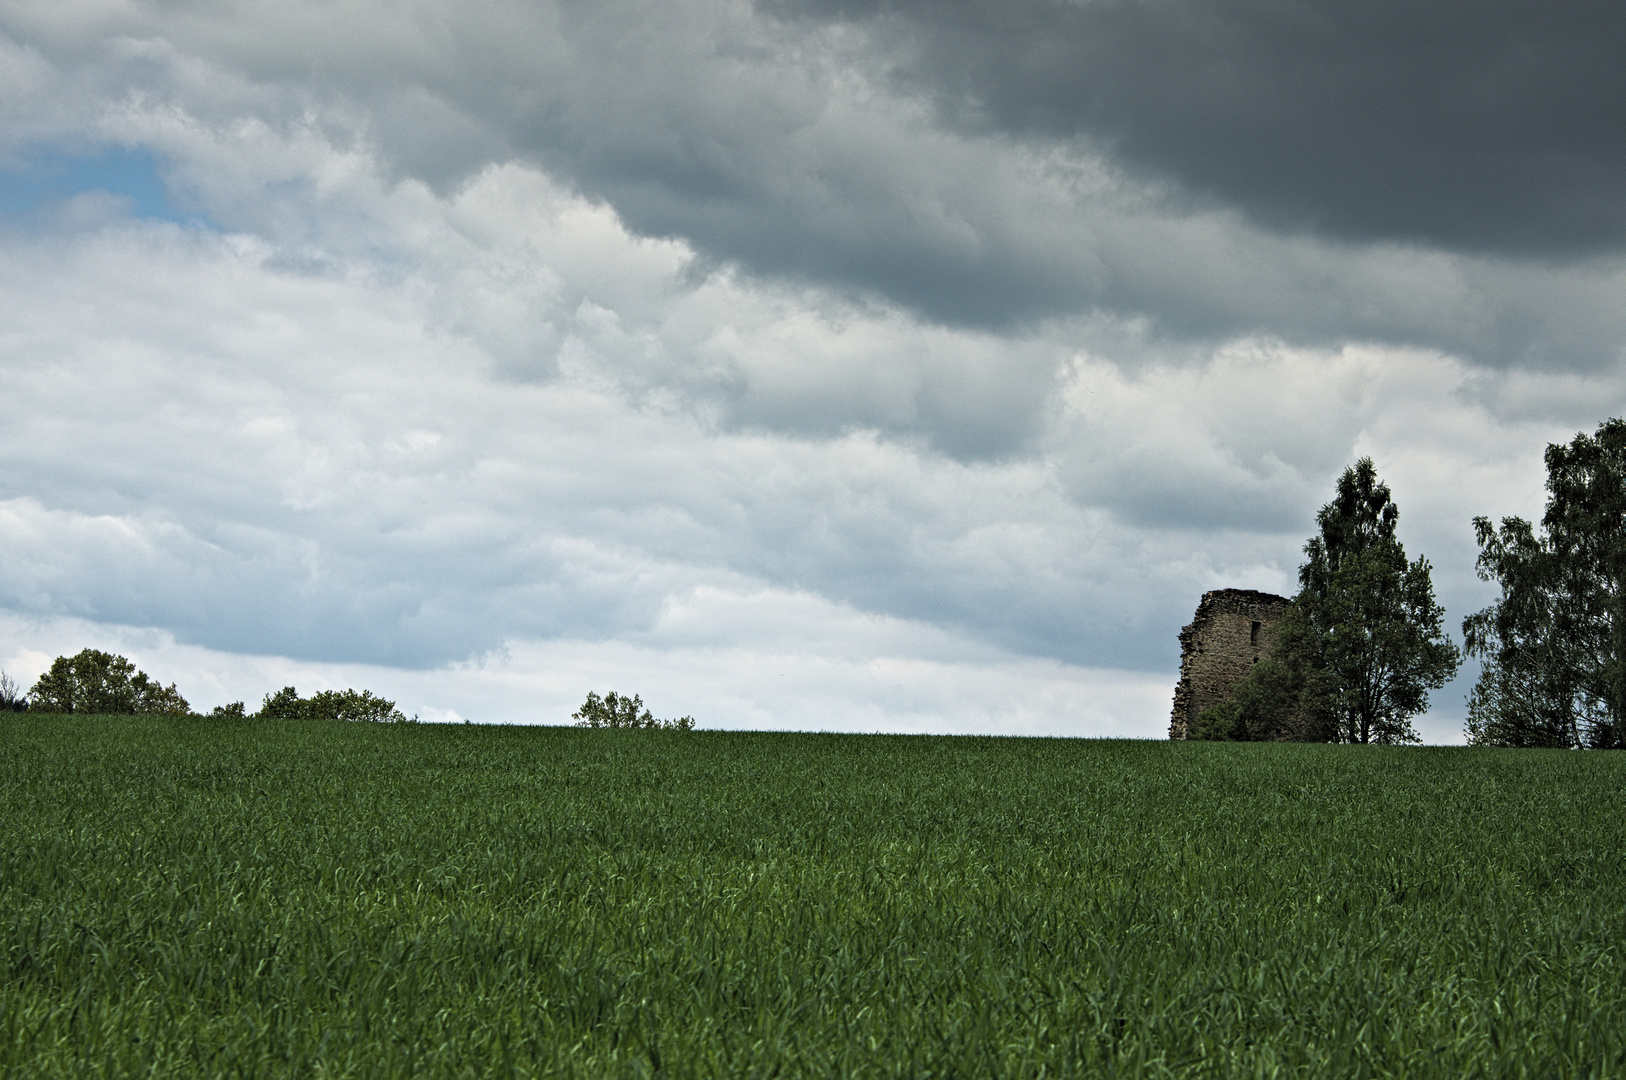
(1232, 630)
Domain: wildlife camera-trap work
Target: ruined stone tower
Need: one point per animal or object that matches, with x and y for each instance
(1231, 631)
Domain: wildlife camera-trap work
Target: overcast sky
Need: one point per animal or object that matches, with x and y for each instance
(835, 364)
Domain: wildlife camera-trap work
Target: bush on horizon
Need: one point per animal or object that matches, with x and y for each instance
(346, 705)
(93, 681)
(102, 683)
(616, 711)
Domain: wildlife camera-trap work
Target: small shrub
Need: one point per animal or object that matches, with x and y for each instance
(286, 704)
(353, 705)
(1221, 722)
(615, 711)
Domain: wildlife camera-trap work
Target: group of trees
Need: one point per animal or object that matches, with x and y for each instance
(1554, 644)
(1363, 642)
(286, 704)
(96, 682)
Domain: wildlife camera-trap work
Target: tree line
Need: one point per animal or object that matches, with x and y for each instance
(100, 683)
(1363, 642)
(1554, 643)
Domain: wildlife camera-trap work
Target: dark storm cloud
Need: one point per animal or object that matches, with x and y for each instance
(1311, 174)
(1394, 160)
(1477, 126)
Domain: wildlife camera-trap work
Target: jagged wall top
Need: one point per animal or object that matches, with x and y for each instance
(1232, 630)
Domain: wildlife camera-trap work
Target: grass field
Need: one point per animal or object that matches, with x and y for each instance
(239, 898)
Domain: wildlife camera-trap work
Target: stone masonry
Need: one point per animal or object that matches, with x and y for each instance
(1231, 631)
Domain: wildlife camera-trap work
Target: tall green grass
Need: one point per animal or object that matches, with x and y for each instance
(231, 898)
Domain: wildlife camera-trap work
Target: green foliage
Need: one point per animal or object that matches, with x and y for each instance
(101, 683)
(1221, 722)
(1370, 640)
(354, 705)
(1278, 700)
(1513, 703)
(157, 699)
(615, 711)
(1355, 656)
(285, 704)
(204, 898)
(97, 682)
(348, 705)
(1554, 643)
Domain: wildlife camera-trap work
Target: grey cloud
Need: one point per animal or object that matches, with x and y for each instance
(320, 590)
(298, 464)
(1473, 126)
(781, 151)
(1043, 183)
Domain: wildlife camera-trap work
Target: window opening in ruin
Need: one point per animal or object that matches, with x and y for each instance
(1253, 635)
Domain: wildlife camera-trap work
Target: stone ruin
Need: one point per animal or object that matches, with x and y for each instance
(1230, 633)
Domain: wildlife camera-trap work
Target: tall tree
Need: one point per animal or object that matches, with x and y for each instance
(1368, 622)
(1356, 655)
(1554, 644)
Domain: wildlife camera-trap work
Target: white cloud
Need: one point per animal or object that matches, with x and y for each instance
(902, 678)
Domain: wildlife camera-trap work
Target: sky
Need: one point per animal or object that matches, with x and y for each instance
(806, 364)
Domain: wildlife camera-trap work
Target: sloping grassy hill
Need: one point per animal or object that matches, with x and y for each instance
(239, 898)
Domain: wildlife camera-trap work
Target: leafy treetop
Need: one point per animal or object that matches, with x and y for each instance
(349, 705)
(97, 682)
(1554, 643)
(1362, 644)
(615, 711)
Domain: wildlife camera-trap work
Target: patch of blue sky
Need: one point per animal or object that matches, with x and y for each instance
(51, 175)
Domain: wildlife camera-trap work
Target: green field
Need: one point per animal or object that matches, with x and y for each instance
(275, 898)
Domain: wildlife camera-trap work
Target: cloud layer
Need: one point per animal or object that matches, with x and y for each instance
(1479, 127)
(703, 338)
